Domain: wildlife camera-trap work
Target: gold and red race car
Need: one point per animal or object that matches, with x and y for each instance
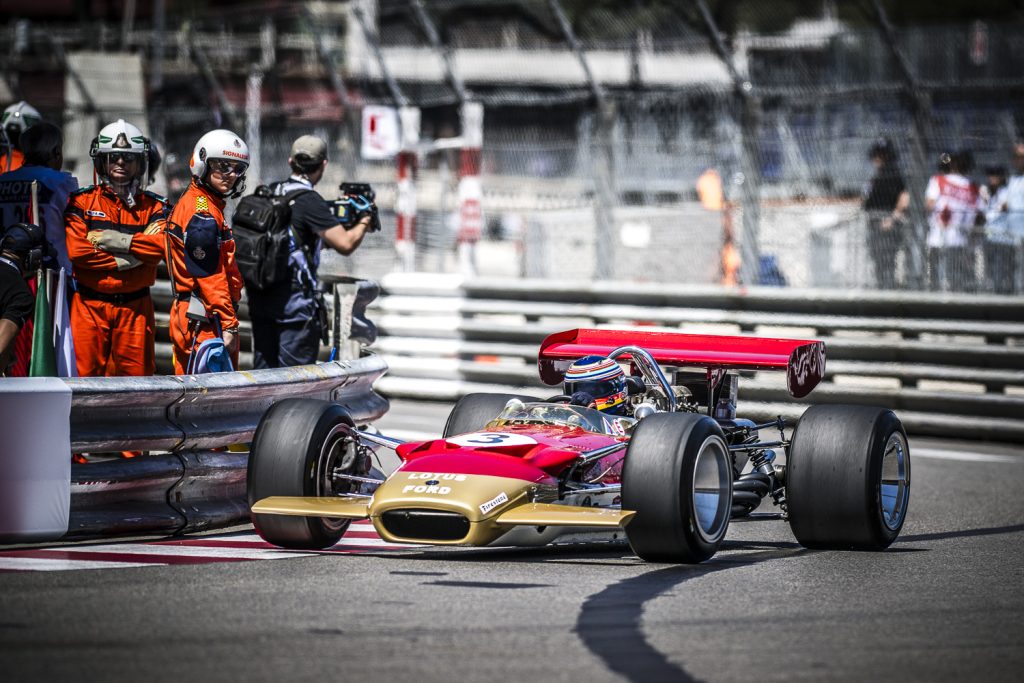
(669, 474)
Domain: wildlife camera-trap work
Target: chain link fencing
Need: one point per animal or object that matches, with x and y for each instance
(624, 143)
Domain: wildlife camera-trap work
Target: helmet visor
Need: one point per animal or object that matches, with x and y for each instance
(226, 167)
(607, 393)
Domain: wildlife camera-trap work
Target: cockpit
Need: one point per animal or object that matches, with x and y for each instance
(517, 412)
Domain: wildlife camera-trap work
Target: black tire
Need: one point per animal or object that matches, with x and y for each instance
(295, 448)
(670, 457)
(473, 411)
(848, 477)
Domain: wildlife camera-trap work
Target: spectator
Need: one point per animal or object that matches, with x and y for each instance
(286, 319)
(21, 249)
(16, 119)
(999, 242)
(885, 201)
(42, 146)
(1013, 208)
(205, 278)
(115, 238)
(955, 208)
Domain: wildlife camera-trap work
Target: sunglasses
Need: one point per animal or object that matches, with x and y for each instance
(122, 157)
(224, 167)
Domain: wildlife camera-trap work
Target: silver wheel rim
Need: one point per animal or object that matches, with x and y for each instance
(894, 487)
(712, 475)
(330, 454)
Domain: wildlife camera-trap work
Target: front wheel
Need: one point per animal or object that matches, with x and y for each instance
(474, 411)
(848, 477)
(298, 446)
(677, 476)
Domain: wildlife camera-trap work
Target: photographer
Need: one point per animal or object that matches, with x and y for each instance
(289, 319)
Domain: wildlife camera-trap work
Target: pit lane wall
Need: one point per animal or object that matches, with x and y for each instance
(193, 429)
(950, 365)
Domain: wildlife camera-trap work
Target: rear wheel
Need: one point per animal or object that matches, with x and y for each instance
(848, 477)
(677, 476)
(297, 447)
(473, 411)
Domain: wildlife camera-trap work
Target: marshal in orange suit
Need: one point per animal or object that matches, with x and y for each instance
(202, 249)
(115, 239)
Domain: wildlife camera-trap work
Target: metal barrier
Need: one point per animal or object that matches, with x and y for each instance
(192, 486)
(949, 364)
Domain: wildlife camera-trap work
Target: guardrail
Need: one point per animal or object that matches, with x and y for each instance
(199, 483)
(949, 364)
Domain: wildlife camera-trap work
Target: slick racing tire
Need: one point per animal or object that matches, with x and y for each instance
(848, 477)
(473, 411)
(677, 476)
(296, 447)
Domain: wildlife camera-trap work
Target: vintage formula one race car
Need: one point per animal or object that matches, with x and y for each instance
(669, 471)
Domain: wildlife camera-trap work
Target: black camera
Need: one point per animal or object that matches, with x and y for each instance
(356, 201)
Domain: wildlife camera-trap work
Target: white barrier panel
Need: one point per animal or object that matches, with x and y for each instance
(35, 458)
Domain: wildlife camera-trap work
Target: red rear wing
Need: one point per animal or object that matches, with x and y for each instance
(803, 361)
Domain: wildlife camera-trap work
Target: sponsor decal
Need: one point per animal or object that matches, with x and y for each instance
(806, 367)
(198, 253)
(491, 440)
(431, 475)
(424, 488)
(97, 214)
(202, 205)
(236, 155)
(494, 502)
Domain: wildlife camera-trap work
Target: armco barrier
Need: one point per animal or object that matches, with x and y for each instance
(949, 364)
(190, 487)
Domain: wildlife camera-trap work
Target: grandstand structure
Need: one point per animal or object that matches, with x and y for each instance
(598, 118)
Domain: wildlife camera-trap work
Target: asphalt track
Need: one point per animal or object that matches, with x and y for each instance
(945, 603)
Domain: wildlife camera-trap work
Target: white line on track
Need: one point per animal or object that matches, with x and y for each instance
(25, 564)
(186, 550)
(966, 456)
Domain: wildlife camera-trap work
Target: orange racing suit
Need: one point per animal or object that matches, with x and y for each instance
(12, 160)
(112, 312)
(202, 252)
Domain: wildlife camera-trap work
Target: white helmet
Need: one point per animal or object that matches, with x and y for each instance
(220, 144)
(121, 137)
(18, 118)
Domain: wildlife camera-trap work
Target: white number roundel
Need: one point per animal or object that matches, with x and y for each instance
(490, 440)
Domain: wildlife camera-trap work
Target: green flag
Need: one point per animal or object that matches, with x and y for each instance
(44, 358)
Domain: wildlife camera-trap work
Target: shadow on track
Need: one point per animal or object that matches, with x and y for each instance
(609, 623)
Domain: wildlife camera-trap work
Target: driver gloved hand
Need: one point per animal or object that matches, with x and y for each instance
(581, 398)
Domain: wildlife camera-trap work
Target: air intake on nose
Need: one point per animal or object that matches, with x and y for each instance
(425, 525)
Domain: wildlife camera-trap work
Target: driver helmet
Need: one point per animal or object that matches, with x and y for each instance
(220, 147)
(121, 139)
(18, 118)
(602, 379)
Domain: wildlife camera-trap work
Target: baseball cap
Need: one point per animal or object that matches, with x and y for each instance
(309, 146)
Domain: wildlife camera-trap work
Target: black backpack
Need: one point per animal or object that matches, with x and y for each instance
(262, 237)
